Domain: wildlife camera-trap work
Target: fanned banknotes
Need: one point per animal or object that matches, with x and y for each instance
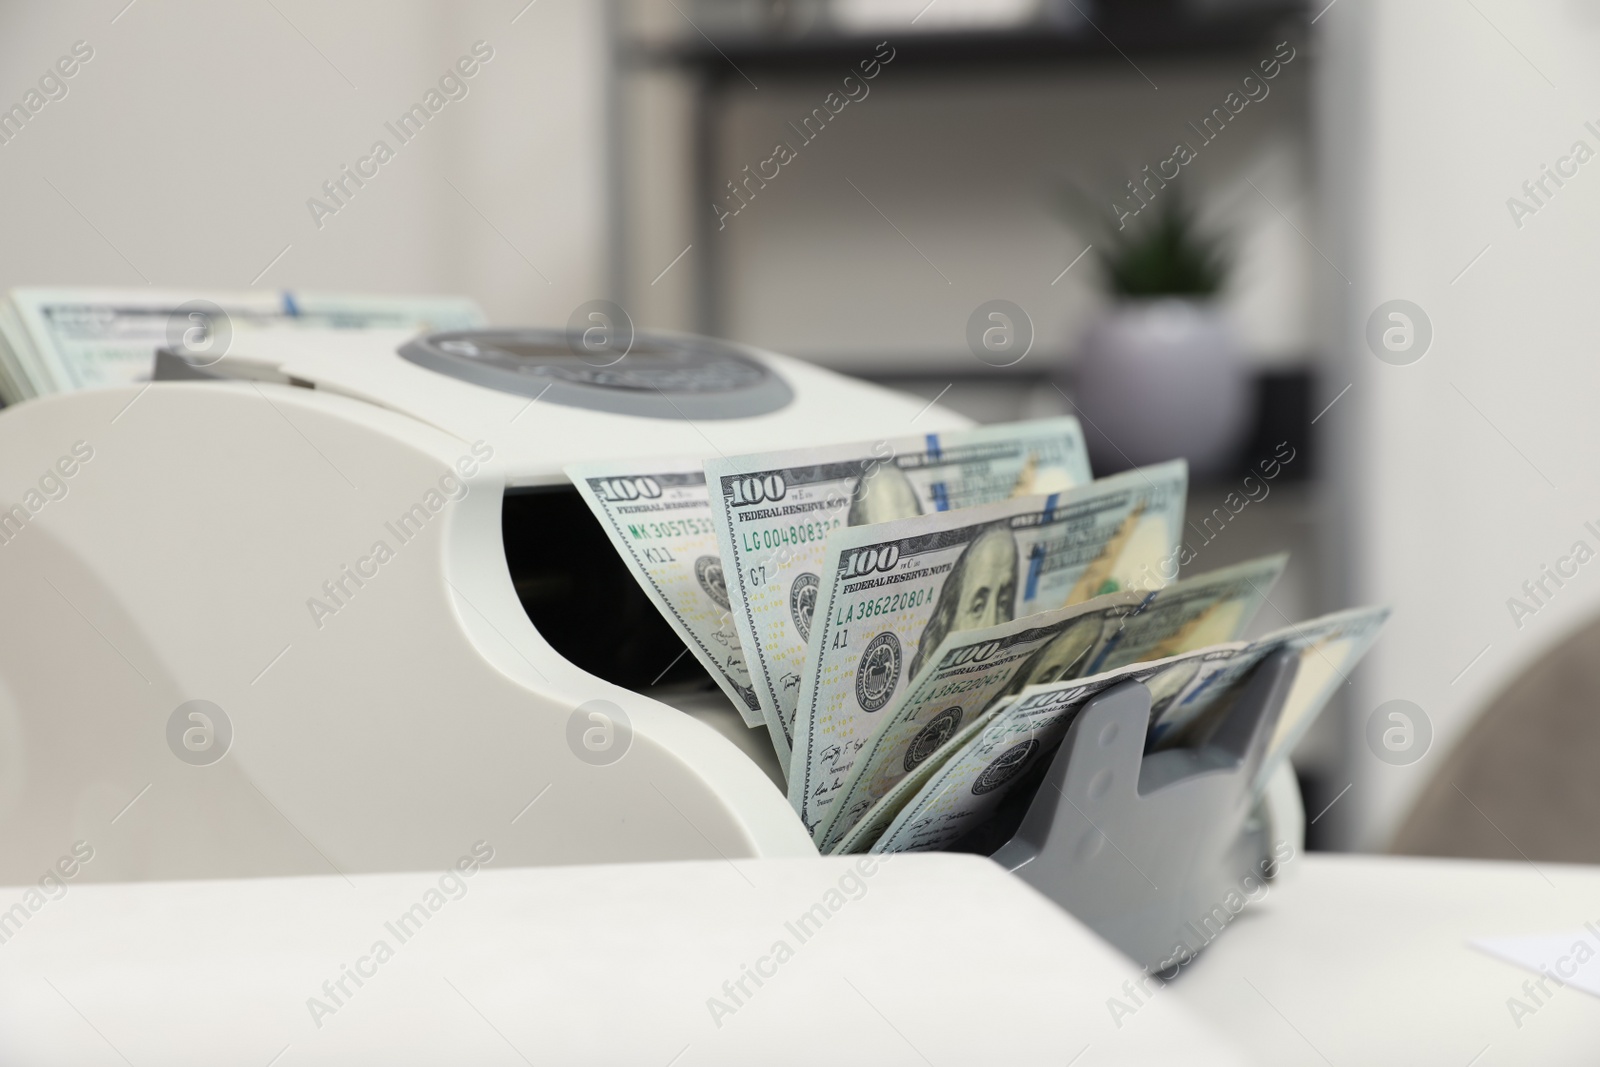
(776, 510)
(926, 616)
(971, 784)
(889, 594)
(1190, 695)
(57, 340)
(658, 518)
(971, 670)
(878, 818)
(1326, 650)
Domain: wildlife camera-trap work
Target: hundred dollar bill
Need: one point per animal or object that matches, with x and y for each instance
(1196, 612)
(972, 669)
(970, 785)
(658, 517)
(968, 673)
(1328, 650)
(871, 826)
(775, 511)
(1191, 695)
(1325, 648)
(79, 338)
(891, 592)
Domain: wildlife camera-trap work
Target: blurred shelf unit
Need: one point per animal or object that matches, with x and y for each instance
(1057, 33)
(725, 46)
(1281, 405)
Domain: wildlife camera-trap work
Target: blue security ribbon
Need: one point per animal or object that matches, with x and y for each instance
(1035, 565)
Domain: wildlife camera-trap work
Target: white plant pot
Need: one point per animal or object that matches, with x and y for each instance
(1161, 379)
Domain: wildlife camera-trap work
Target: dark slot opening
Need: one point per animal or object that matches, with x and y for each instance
(580, 596)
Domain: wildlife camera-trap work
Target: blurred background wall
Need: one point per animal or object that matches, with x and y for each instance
(1460, 476)
(187, 147)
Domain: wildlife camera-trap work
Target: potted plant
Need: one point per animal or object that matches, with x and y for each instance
(1158, 374)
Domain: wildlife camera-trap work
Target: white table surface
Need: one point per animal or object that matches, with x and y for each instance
(931, 959)
(941, 960)
(1365, 960)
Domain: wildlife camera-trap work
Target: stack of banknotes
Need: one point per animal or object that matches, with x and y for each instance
(916, 621)
(58, 340)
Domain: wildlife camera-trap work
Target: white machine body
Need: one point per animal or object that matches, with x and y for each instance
(328, 551)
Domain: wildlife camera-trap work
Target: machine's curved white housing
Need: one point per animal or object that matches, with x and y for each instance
(183, 559)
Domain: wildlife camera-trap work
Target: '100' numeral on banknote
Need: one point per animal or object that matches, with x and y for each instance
(891, 592)
(775, 512)
(660, 522)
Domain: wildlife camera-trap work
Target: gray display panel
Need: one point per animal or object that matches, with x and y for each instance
(659, 376)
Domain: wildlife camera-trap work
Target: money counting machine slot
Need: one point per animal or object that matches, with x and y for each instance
(580, 597)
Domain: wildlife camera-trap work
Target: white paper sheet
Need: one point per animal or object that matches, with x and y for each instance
(1572, 957)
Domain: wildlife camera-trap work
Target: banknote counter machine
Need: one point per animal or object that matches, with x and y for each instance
(329, 600)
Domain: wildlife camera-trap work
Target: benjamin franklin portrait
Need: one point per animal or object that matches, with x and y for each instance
(883, 496)
(979, 591)
(1062, 657)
